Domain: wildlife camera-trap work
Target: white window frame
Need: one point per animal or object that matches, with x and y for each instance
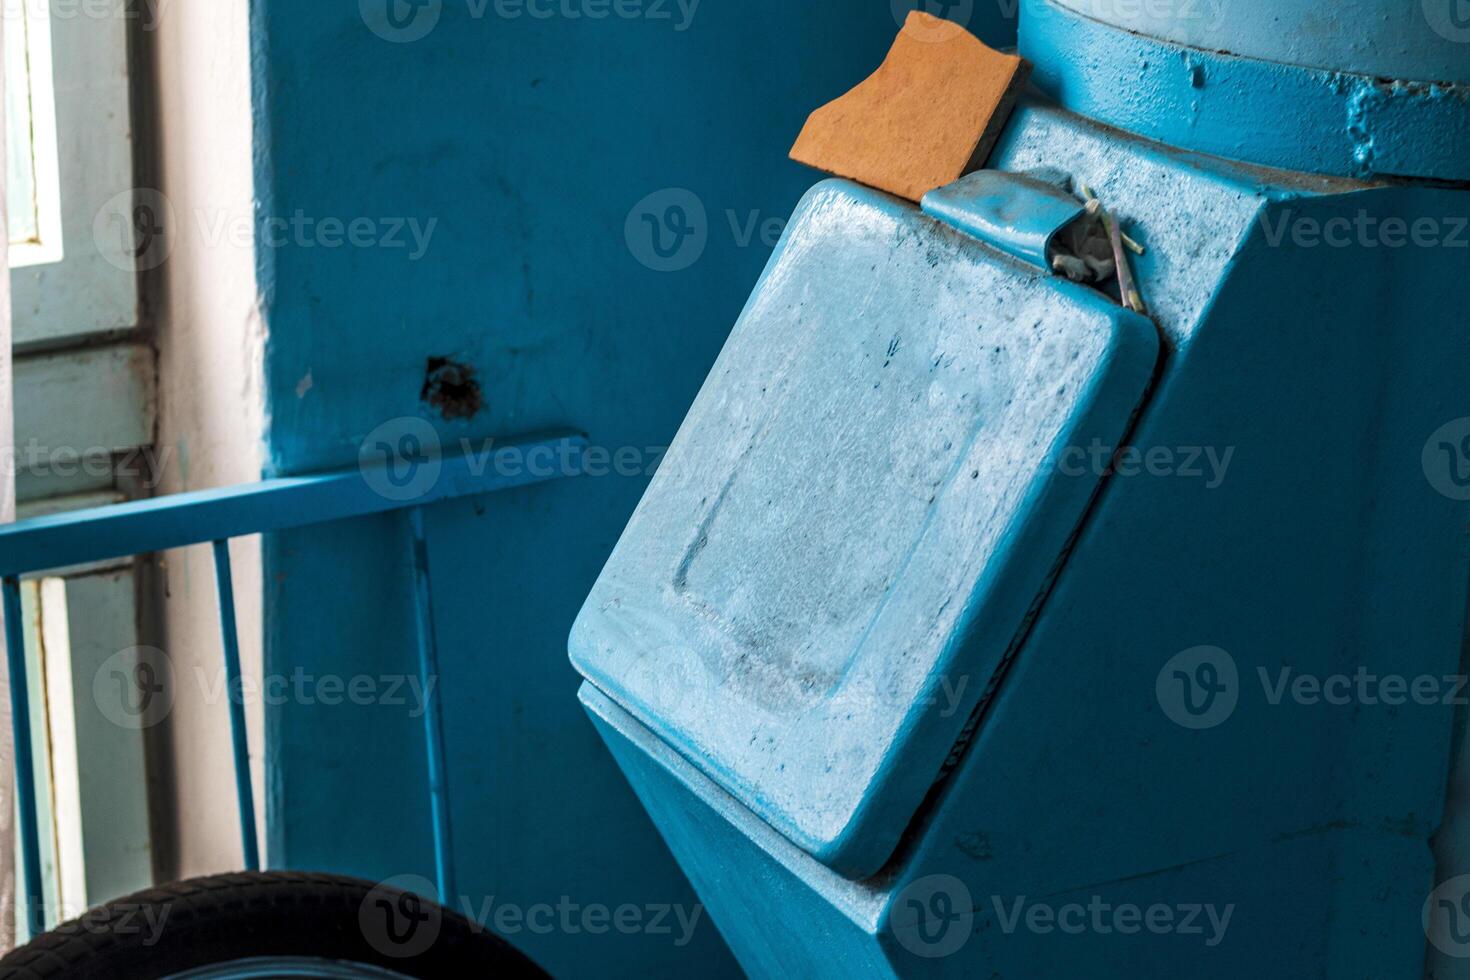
(80, 279)
(74, 284)
(31, 23)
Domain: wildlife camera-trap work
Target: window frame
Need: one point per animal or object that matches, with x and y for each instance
(82, 278)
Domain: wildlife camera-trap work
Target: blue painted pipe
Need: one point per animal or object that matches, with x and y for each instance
(1315, 103)
(428, 665)
(1414, 40)
(25, 768)
(230, 640)
(215, 516)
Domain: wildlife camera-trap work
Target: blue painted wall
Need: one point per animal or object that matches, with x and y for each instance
(522, 147)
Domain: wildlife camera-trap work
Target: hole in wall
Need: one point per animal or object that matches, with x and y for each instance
(450, 387)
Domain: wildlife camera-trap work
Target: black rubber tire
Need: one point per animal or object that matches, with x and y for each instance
(206, 921)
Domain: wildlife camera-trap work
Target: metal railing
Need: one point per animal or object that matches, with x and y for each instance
(214, 517)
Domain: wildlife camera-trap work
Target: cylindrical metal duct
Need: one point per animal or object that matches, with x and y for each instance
(1360, 88)
(1409, 40)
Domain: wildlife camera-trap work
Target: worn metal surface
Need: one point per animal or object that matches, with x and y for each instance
(1333, 121)
(1313, 540)
(1422, 40)
(865, 501)
(1014, 213)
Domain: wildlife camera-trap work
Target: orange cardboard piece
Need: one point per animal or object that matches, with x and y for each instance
(929, 115)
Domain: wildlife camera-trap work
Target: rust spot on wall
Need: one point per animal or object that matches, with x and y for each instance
(451, 388)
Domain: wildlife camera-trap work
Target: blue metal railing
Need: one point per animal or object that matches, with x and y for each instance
(214, 517)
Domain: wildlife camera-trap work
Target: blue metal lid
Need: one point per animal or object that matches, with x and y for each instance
(867, 501)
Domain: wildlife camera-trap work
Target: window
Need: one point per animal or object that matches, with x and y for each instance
(83, 404)
(32, 178)
(72, 270)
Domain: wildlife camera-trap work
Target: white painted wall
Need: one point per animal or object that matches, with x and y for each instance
(210, 343)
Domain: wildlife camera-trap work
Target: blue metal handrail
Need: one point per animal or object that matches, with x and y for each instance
(214, 517)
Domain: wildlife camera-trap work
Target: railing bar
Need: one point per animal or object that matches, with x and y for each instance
(180, 520)
(25, 766)
(428, 665)
(235, 696)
